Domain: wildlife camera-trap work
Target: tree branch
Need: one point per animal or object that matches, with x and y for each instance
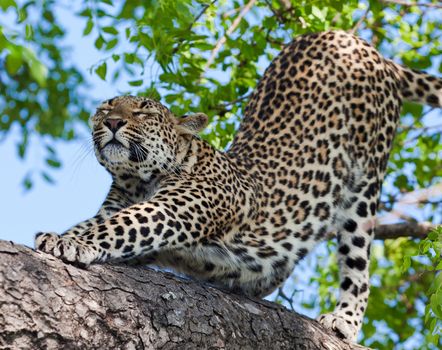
(46, 304)
(405, 229)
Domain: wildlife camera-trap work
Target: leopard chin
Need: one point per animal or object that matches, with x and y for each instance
(115, 153)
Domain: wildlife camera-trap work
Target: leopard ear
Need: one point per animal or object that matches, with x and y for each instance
(192, 124)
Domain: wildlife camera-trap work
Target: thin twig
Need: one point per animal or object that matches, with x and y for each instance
(410, 4)
(403, 128)
(223, 106)
(232, 28)
(384, 205)
(413, 198)
(286, 4)
(270, 40)
(421, 132)
(198, 16)
(204, 9)
(278, 15)
(360, 21)
(231, 12)
(282, 295)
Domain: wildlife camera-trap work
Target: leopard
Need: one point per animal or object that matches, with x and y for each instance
(308, 159)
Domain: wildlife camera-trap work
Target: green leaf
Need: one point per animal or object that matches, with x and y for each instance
(129, 58)
(318, 13)
(29, 32)
(53, 163)
(99, 42)
(21, 150)
(413, 108)
(101, 70)
(406, 263)
(110, 30)
(5, 4)
(89, 27)
(86, 12)
(203, 46)
(433, 235)
(27, 182)
(436, 305)
(111, 44)
(38, 70)
(375, 6)
(136, 82)
(13, 62)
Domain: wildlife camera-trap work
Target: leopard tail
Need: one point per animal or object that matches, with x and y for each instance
(420, 87)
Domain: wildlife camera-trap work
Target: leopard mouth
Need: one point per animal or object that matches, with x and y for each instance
(113, 142)
(114, 151)
(113, 146)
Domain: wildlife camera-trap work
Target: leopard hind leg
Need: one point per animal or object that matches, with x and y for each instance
(355, 222)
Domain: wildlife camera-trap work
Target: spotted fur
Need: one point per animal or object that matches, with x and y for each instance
(308, 159)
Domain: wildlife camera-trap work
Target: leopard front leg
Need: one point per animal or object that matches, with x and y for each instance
(45, 241)
(137, 231)
(116, 200)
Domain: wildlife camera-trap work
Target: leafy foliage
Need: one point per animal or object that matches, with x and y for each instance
(201, 55)
(430, 249)
(39, 93)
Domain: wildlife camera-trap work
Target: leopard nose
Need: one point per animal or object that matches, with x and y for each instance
(114, 124)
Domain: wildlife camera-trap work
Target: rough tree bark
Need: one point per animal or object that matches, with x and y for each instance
(46, 304)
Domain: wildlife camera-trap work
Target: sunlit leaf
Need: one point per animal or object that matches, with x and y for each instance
(101, 70)
(89, 26)
(13, 61)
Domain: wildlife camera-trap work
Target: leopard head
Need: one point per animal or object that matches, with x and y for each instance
(140, 136)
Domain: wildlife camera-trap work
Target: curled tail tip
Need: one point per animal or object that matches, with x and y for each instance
(421, 87)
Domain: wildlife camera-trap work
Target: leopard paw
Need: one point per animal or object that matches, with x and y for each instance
(45, 241)
(343, 328)
(67, 248)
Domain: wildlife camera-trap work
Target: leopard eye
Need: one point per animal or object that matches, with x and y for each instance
(103, 110)
(144, 115)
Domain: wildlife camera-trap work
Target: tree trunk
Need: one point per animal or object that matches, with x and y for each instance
(46, 304)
